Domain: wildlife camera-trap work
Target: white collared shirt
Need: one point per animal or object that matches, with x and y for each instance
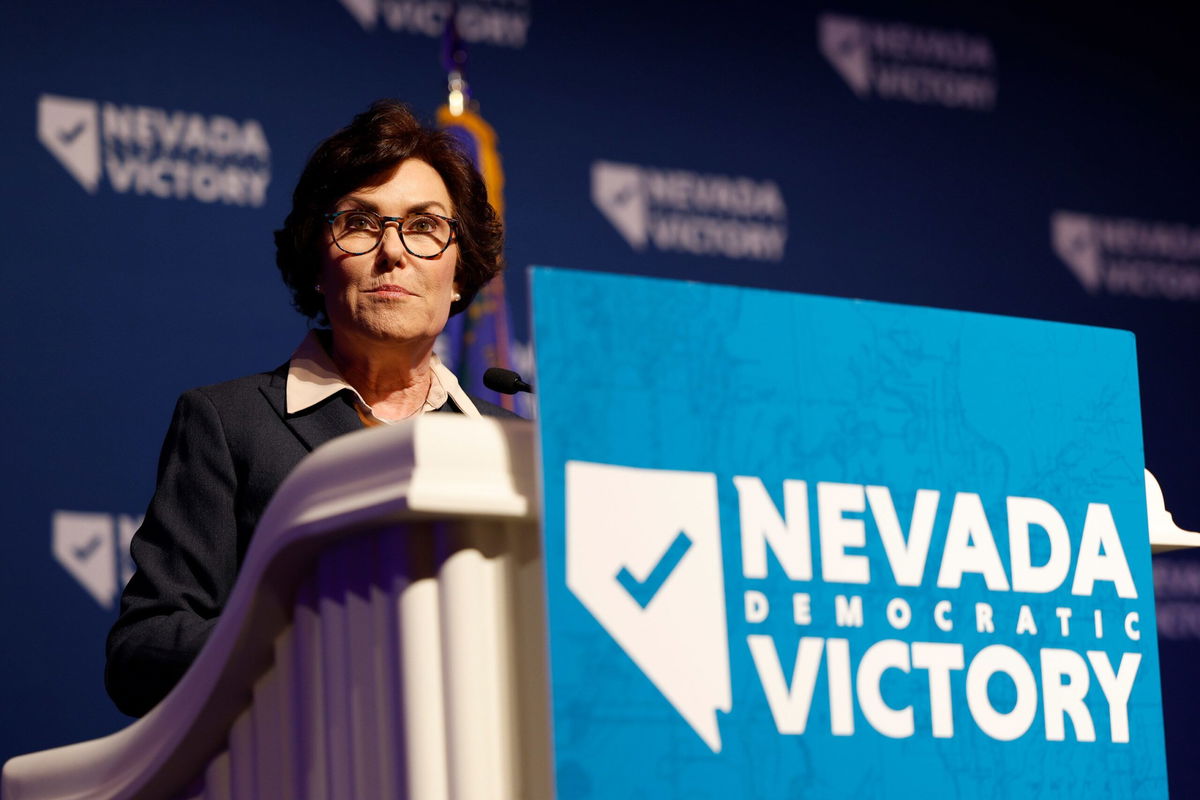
(312, 377)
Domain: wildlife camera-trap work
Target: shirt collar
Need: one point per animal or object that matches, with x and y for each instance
(313, 377)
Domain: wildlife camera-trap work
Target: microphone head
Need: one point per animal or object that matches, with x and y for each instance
(504, 381)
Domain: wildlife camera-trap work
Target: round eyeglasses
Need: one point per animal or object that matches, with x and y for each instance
(424, 235)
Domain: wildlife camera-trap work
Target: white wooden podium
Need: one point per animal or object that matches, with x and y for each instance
(385, 639)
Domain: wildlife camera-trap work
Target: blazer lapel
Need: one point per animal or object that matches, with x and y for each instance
(313, 426)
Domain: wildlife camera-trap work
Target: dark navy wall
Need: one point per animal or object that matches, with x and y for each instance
(1037, 163)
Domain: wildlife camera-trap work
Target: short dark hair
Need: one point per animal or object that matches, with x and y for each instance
(362, 155)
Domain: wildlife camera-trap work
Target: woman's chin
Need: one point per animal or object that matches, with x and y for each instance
(386, 329)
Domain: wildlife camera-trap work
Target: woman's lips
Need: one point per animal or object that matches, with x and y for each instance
(390, 289)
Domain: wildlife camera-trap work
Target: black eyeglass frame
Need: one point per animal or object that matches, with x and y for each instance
(383, 222)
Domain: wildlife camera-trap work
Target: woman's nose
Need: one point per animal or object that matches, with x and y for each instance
(392, 247)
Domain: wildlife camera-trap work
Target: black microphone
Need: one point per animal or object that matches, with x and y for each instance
(505, 381)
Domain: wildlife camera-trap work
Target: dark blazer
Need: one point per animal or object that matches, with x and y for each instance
(227, 450)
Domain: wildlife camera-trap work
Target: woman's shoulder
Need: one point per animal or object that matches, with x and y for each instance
(247, 413)
(240, 392)
(247, 384)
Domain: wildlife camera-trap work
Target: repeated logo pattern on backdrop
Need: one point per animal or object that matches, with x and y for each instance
(153, 151)
(688, 212)
(1177, 599)
(1129, 256)
(899, 61)
(94, 548)
(497, 22)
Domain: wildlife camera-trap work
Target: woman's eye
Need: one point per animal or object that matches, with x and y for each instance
(360, 222)
(420, 225)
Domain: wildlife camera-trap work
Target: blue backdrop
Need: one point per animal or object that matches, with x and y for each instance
(1036, 163)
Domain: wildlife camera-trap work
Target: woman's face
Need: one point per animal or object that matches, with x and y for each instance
(388, 294)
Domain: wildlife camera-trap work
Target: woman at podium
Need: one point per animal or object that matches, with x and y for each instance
(390, 234)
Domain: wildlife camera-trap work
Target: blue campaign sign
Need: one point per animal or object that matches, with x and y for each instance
(804, 546)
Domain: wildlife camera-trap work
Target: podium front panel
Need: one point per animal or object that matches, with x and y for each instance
(802, 546)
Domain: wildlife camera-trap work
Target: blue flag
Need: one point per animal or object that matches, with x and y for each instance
(478, 338)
